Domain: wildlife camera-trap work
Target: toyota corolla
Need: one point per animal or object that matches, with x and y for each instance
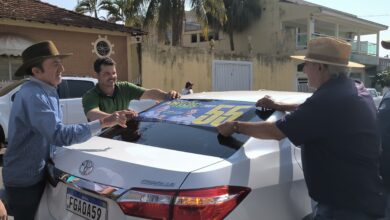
(171, 163)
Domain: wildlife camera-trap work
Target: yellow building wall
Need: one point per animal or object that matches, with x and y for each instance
(79, 42)
(274, 73)
(134, 72)
(266, 35)
(290, 11)
(169, 68)
(263, 34)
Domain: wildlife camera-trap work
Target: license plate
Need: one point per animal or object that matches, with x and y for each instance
(85, 205)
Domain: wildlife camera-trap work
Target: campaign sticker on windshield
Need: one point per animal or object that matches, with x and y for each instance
(197, 112)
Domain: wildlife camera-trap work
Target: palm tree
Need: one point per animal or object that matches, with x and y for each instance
(130, 12)
(240, 14)
(382, 78)
(171, 13)
(88, 6)
(163, 13)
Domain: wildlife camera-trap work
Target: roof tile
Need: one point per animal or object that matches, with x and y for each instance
(37, 11)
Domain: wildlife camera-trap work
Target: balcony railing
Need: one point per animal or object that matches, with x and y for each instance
(366, 48)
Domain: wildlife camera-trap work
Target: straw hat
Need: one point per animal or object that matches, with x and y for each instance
(386, 44)
(329, 50)
(36, 53)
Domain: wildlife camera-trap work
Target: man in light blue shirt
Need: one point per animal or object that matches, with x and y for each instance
(36, 128)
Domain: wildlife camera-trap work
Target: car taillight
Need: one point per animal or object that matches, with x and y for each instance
(153, 204)
(189, 204)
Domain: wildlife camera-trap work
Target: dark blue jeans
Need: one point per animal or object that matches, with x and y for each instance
(23, 201)
(325, 212)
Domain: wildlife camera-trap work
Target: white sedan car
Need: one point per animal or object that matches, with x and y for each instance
(172, 164)
(375, 96)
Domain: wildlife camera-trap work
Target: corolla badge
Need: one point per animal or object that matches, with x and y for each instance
(157, 183)
(86, 167)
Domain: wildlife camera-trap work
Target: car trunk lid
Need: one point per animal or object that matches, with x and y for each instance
(126, 165)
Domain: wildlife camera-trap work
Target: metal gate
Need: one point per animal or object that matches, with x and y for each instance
(232, 75)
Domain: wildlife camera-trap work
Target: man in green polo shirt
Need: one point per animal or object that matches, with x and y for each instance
(110, 96)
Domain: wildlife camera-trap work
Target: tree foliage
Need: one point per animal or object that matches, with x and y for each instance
(130, 12)
(171, 13)
(228, 15)
(382, 78)
(88, 6)
(240, 14)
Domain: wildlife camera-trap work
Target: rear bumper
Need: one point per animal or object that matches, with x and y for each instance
(53, 205)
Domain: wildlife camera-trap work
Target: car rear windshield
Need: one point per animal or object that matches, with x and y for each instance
(189, 126)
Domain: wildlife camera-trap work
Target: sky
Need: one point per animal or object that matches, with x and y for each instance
(376, 10)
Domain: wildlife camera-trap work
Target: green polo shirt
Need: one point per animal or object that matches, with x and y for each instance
(124, 92)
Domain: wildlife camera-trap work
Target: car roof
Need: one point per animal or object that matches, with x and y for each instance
(251, 96)
(6, 89)
(79, 77)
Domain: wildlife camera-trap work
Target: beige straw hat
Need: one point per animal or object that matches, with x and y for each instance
(329, 50)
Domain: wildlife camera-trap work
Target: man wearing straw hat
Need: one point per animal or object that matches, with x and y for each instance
(384, 125)
(36, 128)
(337, 131)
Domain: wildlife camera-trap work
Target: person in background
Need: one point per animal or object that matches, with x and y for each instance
(109, 95)
(337, 130)
(36, 129)
(384, 125)
(187, 88)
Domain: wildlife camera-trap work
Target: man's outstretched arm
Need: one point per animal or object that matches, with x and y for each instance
(160, 95)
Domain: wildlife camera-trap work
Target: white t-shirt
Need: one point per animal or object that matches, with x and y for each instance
(186, 91)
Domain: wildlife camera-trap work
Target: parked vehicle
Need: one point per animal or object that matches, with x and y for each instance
(70, 92)
(375, 95)
(172, 164)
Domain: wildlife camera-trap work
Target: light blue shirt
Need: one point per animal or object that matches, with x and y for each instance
(35, 129)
